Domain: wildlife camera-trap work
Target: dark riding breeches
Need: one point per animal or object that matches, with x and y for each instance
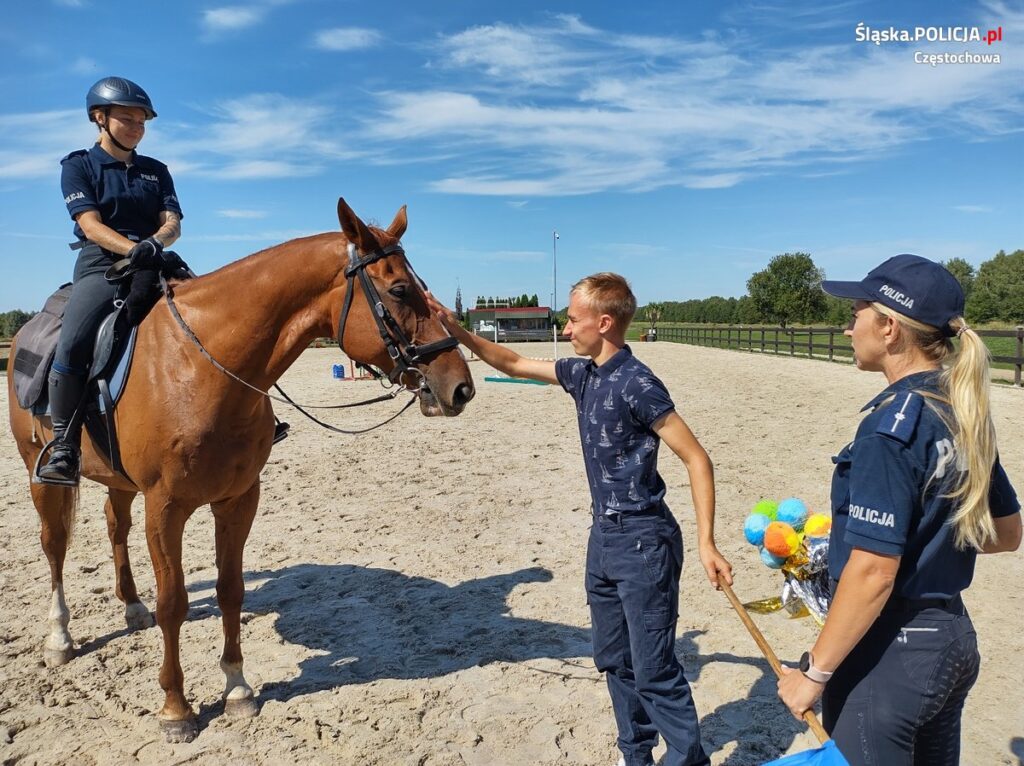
(91, 300)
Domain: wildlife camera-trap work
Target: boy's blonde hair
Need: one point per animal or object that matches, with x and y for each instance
(608, 293)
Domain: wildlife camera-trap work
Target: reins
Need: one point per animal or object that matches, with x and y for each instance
(284, 398)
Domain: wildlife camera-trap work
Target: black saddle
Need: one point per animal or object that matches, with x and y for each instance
(112, 357)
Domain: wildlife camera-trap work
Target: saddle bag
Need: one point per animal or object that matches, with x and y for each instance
(37, 343)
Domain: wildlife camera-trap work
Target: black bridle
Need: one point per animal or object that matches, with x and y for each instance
(405, 354)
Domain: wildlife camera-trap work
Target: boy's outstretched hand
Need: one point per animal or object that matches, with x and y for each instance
(442, 312)
(715, 565)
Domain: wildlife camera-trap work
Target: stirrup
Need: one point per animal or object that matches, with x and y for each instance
(60, 480)
(280, 432)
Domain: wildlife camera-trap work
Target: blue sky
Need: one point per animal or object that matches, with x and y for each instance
(681, 144)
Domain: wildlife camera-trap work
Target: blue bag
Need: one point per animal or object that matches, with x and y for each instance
(826, 755)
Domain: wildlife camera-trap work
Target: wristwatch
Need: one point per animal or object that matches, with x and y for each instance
(813, 673)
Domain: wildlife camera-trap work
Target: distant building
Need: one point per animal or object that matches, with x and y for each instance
(512, 324)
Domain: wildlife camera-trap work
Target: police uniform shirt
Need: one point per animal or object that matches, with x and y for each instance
(616, 404)
(888, 493)
(129, 199)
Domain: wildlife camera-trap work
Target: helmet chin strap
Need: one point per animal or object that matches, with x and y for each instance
(118, 144)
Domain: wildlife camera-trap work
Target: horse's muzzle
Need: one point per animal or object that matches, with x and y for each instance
(431, 406)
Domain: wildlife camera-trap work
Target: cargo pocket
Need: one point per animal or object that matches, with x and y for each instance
(658, 642)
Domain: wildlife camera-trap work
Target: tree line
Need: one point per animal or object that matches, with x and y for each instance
(522, 301)
(789, 291)
(11, 321)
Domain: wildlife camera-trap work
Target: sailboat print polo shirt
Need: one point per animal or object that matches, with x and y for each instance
(616, 405)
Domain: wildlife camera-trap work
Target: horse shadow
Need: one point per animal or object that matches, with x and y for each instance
(367, 624)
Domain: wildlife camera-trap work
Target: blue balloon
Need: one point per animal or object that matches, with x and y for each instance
(771, 560)
(792, 511)
(754, 527)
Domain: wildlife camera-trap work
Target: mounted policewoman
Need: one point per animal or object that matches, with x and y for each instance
(123, 205)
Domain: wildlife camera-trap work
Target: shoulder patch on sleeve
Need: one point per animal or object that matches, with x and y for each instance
(899, 418)
(76, 153)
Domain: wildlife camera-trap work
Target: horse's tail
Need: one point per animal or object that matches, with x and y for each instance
(69, 512)
(56, 505)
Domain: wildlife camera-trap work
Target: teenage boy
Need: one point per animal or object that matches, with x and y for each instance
(635, 551)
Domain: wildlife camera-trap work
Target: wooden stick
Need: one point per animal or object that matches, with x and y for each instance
(766, 650)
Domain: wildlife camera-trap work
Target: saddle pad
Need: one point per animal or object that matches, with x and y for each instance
(116, 380)
(36, 344)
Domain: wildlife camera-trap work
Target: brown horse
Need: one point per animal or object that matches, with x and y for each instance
(191, 435)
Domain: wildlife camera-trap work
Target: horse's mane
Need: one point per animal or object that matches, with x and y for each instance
(246, 262)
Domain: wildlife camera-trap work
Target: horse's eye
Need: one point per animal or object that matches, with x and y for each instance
(399, 291)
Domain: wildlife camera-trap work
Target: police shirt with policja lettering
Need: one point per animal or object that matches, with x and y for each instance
(128, 198)
(888, 493)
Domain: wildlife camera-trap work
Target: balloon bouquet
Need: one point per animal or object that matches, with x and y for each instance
(794, 540)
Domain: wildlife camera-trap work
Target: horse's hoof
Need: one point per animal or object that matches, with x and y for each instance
(180, 731)
(138, 617)
(244, 707)
(54, 658)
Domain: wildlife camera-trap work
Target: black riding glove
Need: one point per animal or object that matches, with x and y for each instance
(174, 265)
(147, 254)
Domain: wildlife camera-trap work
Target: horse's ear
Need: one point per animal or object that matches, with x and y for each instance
(400, 224)
(357, 232)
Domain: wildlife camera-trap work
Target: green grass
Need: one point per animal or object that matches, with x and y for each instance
(997, 346)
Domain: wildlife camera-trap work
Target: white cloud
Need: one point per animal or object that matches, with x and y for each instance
(264, 169)
(242, 213)
(84, 65)
(502, 51)
(346, 39)
(32, 143)
(715, 181)
(973, 208)
(567, 108)
(231, 18)
(256, 136)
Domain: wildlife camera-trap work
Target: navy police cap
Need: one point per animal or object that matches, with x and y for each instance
(911, 285)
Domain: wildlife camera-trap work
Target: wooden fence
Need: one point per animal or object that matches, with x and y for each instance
(812, 342)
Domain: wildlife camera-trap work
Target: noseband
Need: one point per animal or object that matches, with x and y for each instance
(405, 354)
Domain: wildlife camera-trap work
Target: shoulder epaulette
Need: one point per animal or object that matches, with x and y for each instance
(76, 153)
(900, 415)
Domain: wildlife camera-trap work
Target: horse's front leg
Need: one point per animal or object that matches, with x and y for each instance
(119, 520)
(165, 524)
(56, 507)
(233, 519)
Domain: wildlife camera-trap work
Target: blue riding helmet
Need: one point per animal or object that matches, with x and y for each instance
(117, 91)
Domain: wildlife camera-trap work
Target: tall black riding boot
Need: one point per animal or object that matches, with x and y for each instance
(65, 395)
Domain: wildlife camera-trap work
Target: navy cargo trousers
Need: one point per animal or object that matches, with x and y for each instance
(632, 583)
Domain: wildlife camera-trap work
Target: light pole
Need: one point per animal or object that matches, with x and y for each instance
(554, 271)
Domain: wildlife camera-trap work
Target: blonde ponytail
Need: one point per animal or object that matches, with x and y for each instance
(966, 383)
(965, 409)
